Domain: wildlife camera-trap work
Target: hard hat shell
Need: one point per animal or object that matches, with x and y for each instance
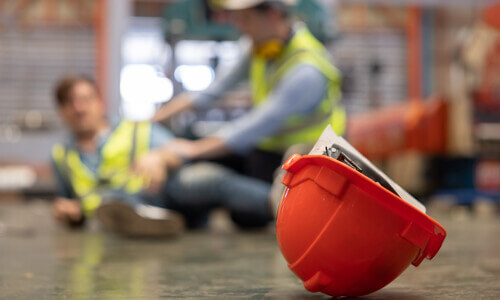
(345, 235)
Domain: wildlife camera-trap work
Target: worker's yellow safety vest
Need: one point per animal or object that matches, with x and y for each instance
(303, 48)
(127, 142)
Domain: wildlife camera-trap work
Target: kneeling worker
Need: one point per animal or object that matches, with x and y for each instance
(295, 90)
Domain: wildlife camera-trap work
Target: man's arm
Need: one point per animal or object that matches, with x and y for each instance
(209, 147)
(68, 212)
(65, 209)
(222, 84)
(156, 163)
(300, 92)
(159, 136)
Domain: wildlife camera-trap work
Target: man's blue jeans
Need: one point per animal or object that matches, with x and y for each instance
(195, 189)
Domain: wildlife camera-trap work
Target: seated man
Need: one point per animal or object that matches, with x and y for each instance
(116, 173)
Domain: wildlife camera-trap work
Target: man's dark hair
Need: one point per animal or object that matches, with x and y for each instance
(65, 85)
(278, 5)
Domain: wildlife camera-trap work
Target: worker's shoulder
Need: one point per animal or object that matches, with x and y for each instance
(303, 73)
(59, 148)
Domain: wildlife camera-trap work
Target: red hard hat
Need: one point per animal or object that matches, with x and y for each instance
(343, 234)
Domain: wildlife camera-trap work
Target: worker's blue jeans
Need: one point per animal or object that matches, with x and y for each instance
(195, 189)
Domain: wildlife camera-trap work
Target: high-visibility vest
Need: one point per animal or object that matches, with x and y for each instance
(127, 142)
(302, 49)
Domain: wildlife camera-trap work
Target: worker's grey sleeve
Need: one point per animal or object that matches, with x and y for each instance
(159, 136)
(222, 84)
(300, 92)
(62, 188)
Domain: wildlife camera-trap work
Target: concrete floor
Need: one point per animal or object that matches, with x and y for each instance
(39, 260)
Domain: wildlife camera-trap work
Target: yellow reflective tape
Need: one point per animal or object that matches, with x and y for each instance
(258, 80)
(143, 136)
(134, 184)
(58, 153)
(90, 203)
(339, 120)
(82, 179)
(117, 155)
(116, 151)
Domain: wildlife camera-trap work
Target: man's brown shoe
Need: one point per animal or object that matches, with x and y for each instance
(139, 221)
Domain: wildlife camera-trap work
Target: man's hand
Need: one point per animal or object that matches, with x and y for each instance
(67, 211)
(154, 165)
(184, 148)
(206, 148)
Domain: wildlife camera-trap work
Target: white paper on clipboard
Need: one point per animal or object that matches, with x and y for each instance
(328, 138)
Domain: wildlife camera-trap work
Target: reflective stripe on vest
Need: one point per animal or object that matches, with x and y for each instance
(303, 49)
(128, 141)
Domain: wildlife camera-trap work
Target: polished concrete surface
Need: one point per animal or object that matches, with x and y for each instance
(39, 260)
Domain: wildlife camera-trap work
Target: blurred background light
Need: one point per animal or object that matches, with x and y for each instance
(145, 47)
(142, 87)
(194, 77)
(143, 83)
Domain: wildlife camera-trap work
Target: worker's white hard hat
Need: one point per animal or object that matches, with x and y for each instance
(243, 4)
